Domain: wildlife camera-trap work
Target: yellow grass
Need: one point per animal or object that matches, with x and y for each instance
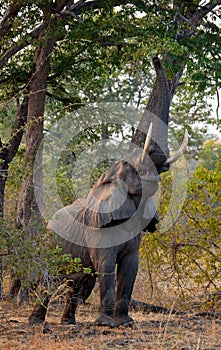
(149, 332)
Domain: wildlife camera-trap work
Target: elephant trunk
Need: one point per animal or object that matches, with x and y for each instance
(159, 104)
(157, 111)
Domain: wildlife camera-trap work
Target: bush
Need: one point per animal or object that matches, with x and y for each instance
(188, 256)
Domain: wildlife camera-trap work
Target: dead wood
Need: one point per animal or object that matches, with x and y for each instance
(136, 305)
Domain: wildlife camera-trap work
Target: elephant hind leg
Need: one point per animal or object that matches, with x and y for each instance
(87, 287)
(74, 295)
(39, 312)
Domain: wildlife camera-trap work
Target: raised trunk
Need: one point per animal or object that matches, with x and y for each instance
(28, 212)
(157, 111)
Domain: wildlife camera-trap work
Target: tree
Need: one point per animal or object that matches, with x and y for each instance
(48, 45)
(34, 131)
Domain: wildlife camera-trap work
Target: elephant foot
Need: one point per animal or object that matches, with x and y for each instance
(37, 316)
(46, 329)
(39, 312)
(124, 320)
(68, 321)
(32, 320)
(105, 320)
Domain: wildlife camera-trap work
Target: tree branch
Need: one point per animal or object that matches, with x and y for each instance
(98, 4)
(218, 103)
(72, 102)
(196, 18)
(9, 53)
(136, 305)
(79, 7)
(16, 48)
(11, 12)
(71, 6)
(11, 147)
(34, 34)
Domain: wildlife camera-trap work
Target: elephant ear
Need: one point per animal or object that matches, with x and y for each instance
(66, 222)
(111, 197)
(106, 203)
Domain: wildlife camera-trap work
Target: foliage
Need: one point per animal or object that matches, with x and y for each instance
(187, 256)
(210, 153)
(7, 119)
(34, 258)
(96, 46)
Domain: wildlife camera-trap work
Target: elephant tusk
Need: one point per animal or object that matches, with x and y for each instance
(147, 143)
(180, 151)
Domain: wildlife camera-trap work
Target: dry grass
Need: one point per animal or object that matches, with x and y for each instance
(149, 332)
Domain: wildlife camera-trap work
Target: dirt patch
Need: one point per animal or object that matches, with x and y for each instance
(150, 331)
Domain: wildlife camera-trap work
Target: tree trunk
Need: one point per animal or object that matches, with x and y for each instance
(7, 153)
(28, 211)
(3, 177)
(9, 150)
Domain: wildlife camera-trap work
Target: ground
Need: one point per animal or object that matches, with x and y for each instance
(149, 332)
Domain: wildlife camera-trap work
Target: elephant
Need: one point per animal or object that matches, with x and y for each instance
(103, 230)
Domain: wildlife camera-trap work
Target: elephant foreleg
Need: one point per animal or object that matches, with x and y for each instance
(126, 275)
(107, 300)
(104, 263)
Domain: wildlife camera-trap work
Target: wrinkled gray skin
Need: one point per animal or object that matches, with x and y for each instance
(139, 173)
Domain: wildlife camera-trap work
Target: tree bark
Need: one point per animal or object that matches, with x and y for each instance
(10, 13)
(7, 153)
(28, 211)
(9, 150)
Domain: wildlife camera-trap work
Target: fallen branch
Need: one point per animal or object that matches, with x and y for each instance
(136, 305)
